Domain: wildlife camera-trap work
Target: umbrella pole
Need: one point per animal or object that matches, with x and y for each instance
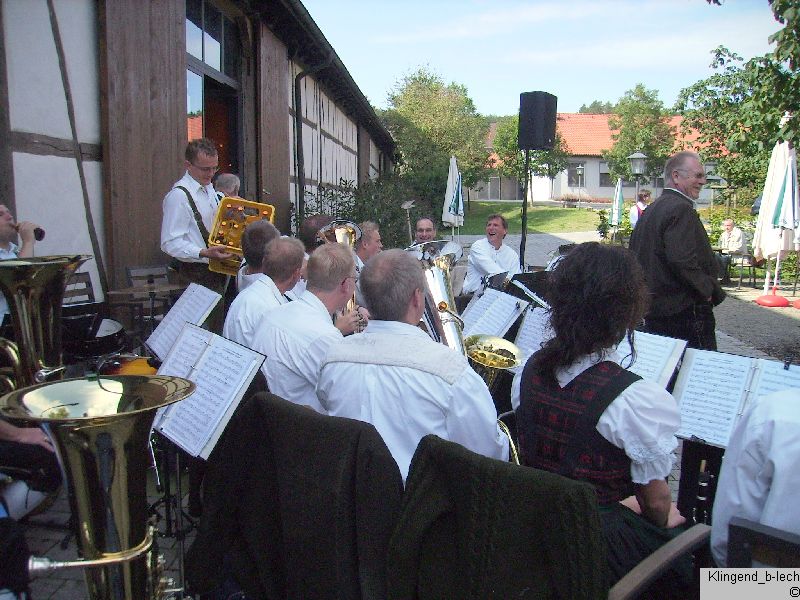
(773, 300)
(523, 239)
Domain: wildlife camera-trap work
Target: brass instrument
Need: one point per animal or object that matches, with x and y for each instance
(441, 319)
(34, 289)
(343, 232)
(100, 428)
(233, 215)
(489, 355)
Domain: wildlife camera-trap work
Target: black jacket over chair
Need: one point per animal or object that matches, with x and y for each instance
(300, 505)
(476, 528)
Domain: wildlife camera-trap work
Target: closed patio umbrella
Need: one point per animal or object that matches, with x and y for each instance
(453, 210)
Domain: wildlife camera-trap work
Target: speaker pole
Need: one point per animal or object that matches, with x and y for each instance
(524, 237)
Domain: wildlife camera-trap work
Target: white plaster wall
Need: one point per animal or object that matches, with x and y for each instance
(36, 93)
(77, 21)
(48, 192)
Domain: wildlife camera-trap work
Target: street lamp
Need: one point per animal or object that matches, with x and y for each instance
(579, 172)
(637, 161)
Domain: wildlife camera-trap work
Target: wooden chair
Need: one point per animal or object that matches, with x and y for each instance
(692, 541)
(749, 541)
(78, 289)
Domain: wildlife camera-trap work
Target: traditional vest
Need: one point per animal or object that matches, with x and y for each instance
(557, 429)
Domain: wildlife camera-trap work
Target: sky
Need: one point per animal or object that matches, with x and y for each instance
(578, 50)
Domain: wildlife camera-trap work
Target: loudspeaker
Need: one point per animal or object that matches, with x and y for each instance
(537, 120)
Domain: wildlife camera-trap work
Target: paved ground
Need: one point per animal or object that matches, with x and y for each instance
(744, 328)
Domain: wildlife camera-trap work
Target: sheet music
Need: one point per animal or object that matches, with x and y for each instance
(772, 377)
(221, 370)
(533, 332)
(656, 356)
(711, 391)
(194, 306)
(492, 314)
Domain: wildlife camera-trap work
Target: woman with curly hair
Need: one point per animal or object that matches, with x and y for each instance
(584, 416)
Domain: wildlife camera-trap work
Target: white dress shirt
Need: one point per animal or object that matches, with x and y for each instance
(642, 420)
(244, 279)
(180, 236)
(634, 212)
(10, 253)
(295, 338)
(760, 478)
(249, 307)
(394, 376)
(485, 260)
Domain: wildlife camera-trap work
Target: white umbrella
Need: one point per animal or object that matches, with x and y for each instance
(777, 228)
(453, 211)
(617, 205)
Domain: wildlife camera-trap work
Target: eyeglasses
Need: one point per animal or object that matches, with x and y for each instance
(212, 170)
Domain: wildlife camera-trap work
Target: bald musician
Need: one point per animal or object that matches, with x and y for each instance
(279, 272)
(295, 337)
(397, 378)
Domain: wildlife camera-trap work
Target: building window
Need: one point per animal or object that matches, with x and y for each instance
(605, 177)
(212, 38)
(576, 174)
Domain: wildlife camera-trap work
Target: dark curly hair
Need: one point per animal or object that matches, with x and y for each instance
(597, 295)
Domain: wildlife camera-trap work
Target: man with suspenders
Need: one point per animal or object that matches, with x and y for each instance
(189, 210)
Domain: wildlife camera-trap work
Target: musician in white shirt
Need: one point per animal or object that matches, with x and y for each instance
(280, 270)
(255, 238)
(759, 479)
(490, 256)
(295, 337)
(396, 377)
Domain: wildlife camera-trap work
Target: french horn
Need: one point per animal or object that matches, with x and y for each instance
(233, 215)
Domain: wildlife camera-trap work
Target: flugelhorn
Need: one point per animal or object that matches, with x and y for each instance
(34, 289)
(233, 215)
(100, 428)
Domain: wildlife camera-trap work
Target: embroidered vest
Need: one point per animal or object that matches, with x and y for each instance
(557, 429)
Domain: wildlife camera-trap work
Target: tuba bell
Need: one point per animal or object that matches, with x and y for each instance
(34, 289)
(100, 427)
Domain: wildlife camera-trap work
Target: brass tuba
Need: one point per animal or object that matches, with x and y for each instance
(34, 289)
(441, 319)
(100, 427)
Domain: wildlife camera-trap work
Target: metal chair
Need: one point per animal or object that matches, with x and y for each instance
(744, 260)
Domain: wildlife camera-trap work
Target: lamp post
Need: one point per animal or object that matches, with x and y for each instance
(579, 171)
(637, 161)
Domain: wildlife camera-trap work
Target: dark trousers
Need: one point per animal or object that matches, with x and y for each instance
(695, 324)
(31, 463)
(724, 263)
(198, 273)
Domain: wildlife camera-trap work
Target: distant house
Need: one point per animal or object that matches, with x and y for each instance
(586, 136)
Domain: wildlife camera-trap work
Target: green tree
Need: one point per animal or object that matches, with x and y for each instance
(543, 163)
(431, 121)
(775, 78)
(719, 110)
(597, 107)
(642, 125)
